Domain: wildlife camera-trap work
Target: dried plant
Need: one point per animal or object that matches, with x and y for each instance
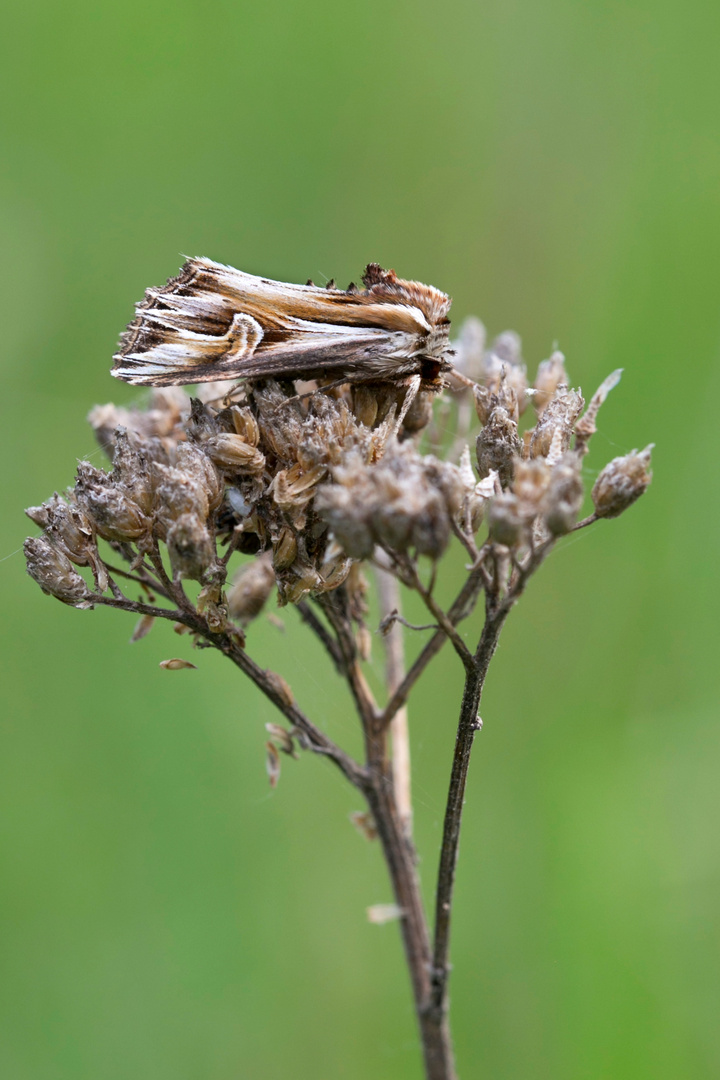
(314, 490)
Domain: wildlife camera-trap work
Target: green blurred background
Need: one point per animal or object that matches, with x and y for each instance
(556, 168)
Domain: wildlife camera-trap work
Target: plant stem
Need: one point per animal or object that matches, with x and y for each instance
(393, 640)
(468, 727)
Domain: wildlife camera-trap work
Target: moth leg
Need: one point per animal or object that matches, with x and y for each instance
(312, 393)
(413, 387)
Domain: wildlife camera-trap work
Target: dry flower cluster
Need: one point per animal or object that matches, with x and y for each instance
(315, 488)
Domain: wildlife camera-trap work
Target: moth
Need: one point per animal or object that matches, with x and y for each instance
(213, 322)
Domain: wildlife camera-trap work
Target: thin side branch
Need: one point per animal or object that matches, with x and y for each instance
(462, 606)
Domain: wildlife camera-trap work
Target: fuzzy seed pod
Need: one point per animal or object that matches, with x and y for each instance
(190, 547)
(504, 522)
(250, 589)
(54, 573)
(621, 482)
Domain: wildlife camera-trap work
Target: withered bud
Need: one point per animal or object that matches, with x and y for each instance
(244, 424)
(293, 488)
(283, 739)
(586, 427)
(554, 428)
(176, 664)
(131, 472)
(232, 454)
(622, 481)
(54, 573)
(470, 349)
(178, 492)
(190, 547)
(142, 628)
(363, 640)
(532, 479)
(250, 589)
(69, 528)
(40, 515)
(505, 372)
(550, 376)
(192, 460)
(280, 687)
(285, 549)
(348, 518)
(431, 527)
(504, 520)
(498, 446)
(419, 414)
(114, 514)
(564, 495)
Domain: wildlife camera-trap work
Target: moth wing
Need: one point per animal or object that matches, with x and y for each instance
(213, 322)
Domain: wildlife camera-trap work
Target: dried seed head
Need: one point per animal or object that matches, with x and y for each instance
(470, 349)
(532, 479)
(554, 428)
(114, 514)
(504, 520)
(551, 376)
(498, 446)
(250, 589)
(419, 414)
(192, 460)
(232, 454)
(190, 547)
(564, 495)
(54, 573)
(585, 427)
(622, 481)
(505, 371)
(178, 492)
(285, 549)
(244, 424)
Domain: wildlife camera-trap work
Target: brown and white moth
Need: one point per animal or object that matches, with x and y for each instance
(214, 322)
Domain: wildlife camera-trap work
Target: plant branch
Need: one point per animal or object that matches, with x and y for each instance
(389, 598)
(444, 621)
(462, 606)
(468, 727)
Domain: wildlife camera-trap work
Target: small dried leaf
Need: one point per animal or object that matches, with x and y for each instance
(143, 627)
(283, 738)
(364, 822)
(176, 664)
(272, 763)
(383, 913)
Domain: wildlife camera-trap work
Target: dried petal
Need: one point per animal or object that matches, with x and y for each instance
(272, 763)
